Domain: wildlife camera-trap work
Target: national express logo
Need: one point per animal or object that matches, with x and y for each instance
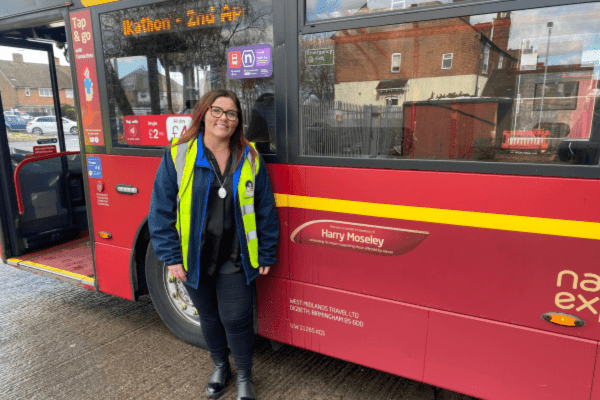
(361, 238)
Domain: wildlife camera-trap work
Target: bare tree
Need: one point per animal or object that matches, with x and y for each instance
(317, 82)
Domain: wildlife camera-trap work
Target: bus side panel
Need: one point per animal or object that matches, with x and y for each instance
(413, 237)
(596, 383)
(113, 261)
(118, 214)
(121, 214)
(273, 305)
(493, 360)
(278, 175)
(377, 333)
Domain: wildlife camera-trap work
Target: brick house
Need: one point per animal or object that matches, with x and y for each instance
(26, 86)
(418, 61)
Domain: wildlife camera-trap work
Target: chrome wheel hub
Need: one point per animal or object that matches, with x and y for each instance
(179, 298)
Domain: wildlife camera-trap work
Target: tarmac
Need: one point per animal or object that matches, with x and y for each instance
(59, 341)
(26, 137)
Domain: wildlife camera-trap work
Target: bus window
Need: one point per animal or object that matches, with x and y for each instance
(161, 58)
(327, 9)
(516, 87)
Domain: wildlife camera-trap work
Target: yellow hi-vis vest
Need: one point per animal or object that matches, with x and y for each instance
(184, 158)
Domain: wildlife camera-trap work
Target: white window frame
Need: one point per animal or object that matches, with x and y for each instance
(397, 56)
(27, 92)
(396, 4)
(486, 59)
(69, 93)
(500, 61)
(45, 92)
(447, 56)
(388, 100)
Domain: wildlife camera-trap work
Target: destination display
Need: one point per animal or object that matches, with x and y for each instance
(190, 19)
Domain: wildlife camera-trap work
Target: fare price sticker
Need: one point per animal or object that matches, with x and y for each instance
(154, 130)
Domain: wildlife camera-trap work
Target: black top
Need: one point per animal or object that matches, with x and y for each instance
(220, 244)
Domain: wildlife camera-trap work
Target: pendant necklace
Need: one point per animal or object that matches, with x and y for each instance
(222, 192)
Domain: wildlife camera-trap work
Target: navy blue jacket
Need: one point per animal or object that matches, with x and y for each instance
(162, 216)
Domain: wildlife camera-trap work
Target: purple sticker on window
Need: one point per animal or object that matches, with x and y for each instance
(250, 61)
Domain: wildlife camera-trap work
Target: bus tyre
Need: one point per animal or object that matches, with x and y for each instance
(172, 302)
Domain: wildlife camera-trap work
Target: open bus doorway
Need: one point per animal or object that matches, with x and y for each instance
(44, 219)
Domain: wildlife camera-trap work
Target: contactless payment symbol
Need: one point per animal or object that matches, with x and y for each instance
(235, 59)
(132, 131)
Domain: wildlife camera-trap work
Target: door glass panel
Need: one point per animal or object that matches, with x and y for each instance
(161, 58)
(29, 109)
(517, 87)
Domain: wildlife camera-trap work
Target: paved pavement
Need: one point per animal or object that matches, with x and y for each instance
(27, 141)
(59, 341)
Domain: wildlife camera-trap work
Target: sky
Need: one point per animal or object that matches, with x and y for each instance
(32, 56)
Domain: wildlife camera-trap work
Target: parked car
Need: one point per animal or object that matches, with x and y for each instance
(15, 123)
(19, 114)
(42, 125)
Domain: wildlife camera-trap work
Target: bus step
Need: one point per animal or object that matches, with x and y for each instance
(70, 263)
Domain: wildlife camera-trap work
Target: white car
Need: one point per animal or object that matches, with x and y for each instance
(42, 125)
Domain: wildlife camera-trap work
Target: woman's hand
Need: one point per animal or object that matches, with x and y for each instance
(177, 271)
(264, 270)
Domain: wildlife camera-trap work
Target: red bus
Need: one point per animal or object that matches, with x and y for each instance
(435, 165)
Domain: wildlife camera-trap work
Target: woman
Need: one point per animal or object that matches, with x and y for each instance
(213, 233)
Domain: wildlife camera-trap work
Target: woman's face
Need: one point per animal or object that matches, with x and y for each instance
(221, 127)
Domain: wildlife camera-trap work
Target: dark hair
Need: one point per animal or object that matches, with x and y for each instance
(237, 142)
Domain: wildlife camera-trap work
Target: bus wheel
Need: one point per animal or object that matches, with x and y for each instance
(172, 302)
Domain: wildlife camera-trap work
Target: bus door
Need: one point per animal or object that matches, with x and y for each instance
(44, 220)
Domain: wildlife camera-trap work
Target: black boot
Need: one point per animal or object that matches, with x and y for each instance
(245, 385)
(218, 379)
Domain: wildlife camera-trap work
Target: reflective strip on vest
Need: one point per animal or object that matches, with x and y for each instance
(184, 158)
(246, 187)
(247, 209)
(184, 165)
(251, 235)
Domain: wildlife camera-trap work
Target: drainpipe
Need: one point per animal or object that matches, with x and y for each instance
(478, 66)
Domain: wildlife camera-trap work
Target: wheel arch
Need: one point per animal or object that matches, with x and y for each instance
(137, 261)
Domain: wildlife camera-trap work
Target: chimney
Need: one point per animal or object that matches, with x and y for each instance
(17, 57)
(56, 61)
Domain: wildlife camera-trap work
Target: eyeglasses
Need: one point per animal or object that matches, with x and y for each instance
(217, 112)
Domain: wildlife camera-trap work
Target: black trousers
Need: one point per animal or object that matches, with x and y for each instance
(224, 303)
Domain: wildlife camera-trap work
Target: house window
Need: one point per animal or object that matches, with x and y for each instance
(44, 92)
(391, 101)
(503, 14)
(396, 58)
(69, 93)
(500, 61)
(486, 58)
(397, 4)
(447, 61)
(27, 92)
